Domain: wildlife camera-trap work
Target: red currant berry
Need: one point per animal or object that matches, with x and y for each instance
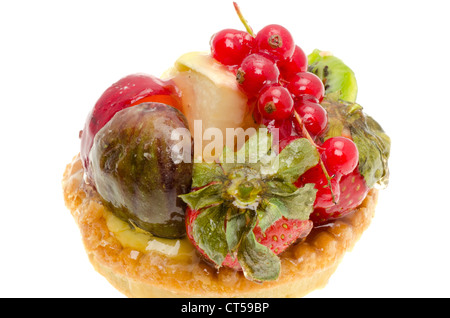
(306, 98)
(276, 41)
(313, 116)
(325, 197)
(306, 83)
(284, 128)
(256, 71)
(275, 102)
(231, 46)
(296, 64)
(340, 155)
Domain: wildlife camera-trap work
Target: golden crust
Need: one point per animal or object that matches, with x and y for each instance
(306, 266)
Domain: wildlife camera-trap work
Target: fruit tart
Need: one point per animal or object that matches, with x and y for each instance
(245, 171)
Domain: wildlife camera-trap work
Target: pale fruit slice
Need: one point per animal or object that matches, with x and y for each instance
(212, 103)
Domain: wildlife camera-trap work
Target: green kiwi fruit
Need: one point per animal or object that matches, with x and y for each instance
(335, 75)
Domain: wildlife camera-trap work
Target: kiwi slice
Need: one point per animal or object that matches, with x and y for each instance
(336, 76)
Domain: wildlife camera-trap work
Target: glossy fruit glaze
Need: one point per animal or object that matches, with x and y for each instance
(128, 91)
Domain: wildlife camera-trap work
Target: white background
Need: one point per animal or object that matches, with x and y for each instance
(57, 57)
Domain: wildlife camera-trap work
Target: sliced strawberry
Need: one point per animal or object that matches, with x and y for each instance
(278, 237)
(241, 218)
(281, 234)
(353, 190)
(191, 215)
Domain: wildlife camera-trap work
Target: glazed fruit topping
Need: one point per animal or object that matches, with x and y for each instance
(128, 91)
(296, 64)
(255, 71)
(275, 41)
(305, 83)
(274, 75)
(134, 171)
(248, 206)
(230, 46)
(340, 155)
(347, 119)
(242, 213)
(313, 98)
(326, 196)
(275, 102)
(353, 189)
(313, 115)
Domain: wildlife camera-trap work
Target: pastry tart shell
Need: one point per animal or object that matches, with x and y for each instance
(305, 266)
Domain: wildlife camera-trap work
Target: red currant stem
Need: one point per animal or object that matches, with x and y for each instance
(322, 165)
(328, 180)
(304, 130)
(244, 22)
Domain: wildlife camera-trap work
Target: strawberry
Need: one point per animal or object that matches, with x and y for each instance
(281, 234)
(278, 237)
(353, 190)
(243, 215)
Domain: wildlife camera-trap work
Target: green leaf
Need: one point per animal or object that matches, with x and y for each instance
(280, 187)
(297, 157)
(208, 231)
(204, 173)
(258, 262)
(257, 149)
(300, 205)
(374, 147)
(270, 211)
(204, 197)
(239, 223)
(227, 159)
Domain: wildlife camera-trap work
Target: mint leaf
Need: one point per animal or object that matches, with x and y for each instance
(297, 157)
(258, 262)
(206, 196)
(208, 230)
(300, 205)
(204, 173)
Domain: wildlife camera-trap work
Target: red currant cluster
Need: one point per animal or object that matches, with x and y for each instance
(272, 71)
